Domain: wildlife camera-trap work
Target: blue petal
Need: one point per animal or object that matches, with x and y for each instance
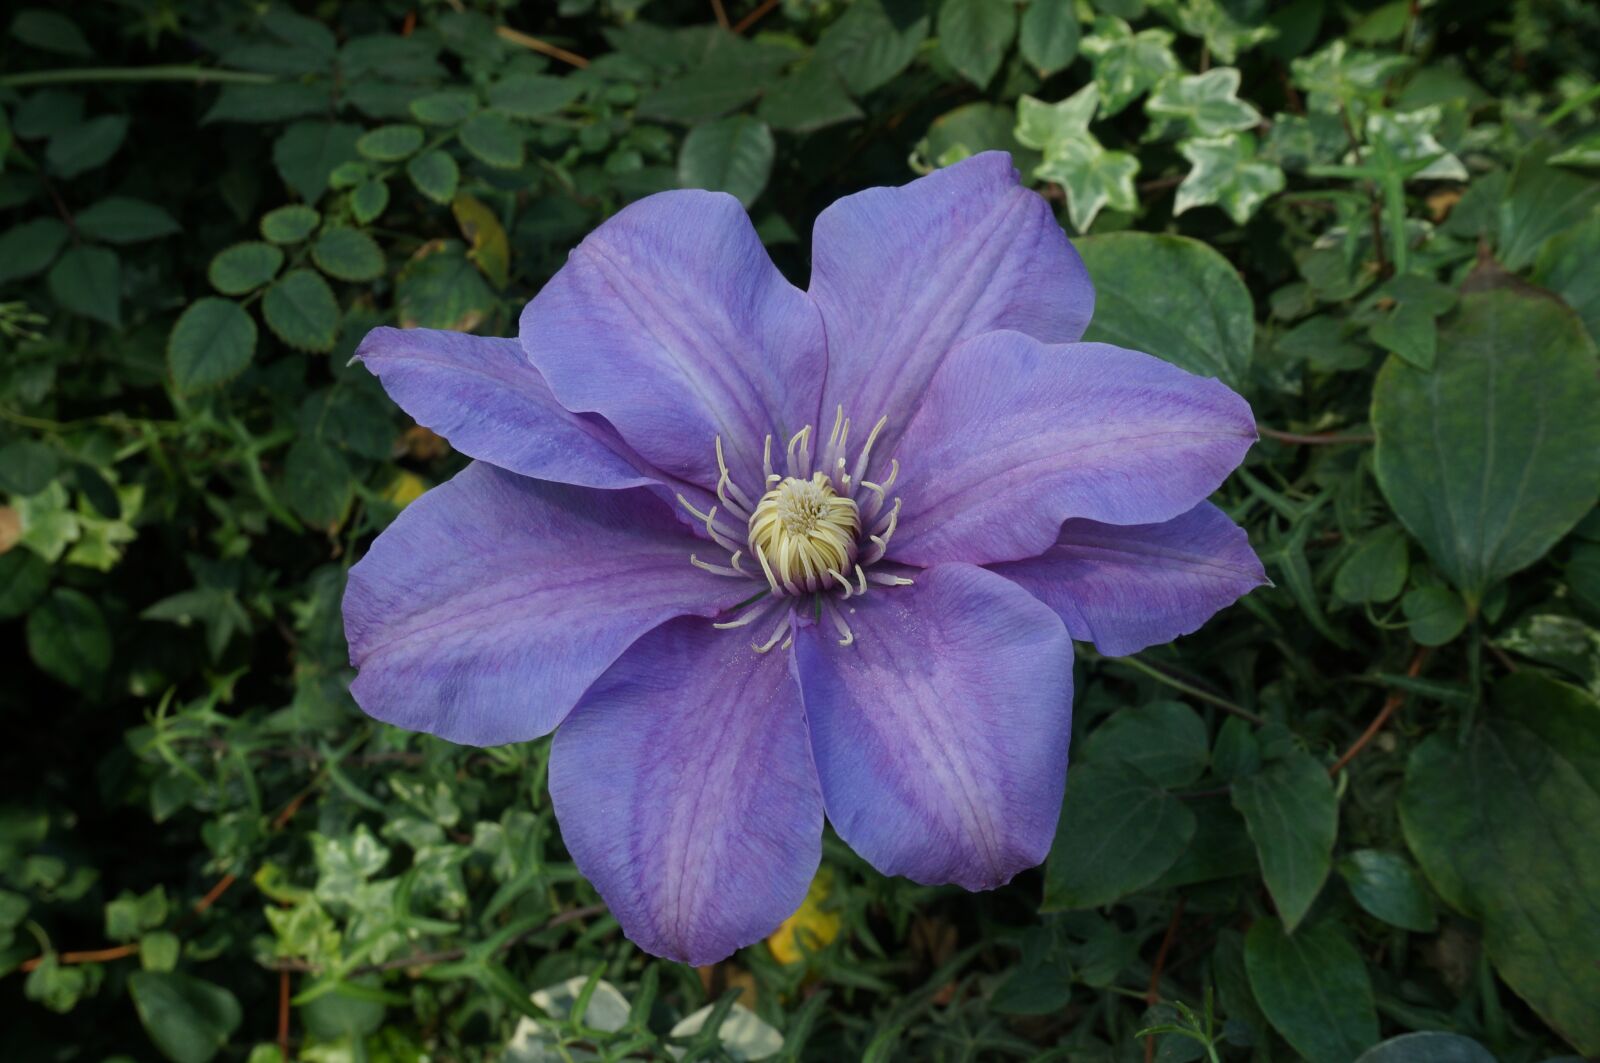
(685, 792)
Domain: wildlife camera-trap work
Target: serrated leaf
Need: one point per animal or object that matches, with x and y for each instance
(1293, 816)
(1118, 832)
(533, 95)
(449, 107)
(441, 288)
(1208, 103)
(1226, 173)
(487, 244)
(244, 267)
(493, 140)
(88, 280)
(1314, 988)
(307, 153)
(390, 143)
(84, 146)
(123, 220)
(276, 102)
(316, 484)
(211, 343)
(1049, 35)
(347, 254)
(871, 43)
(732, 155)
(26, 249)
(1503, 823)
(810, 98)
(289, 225)
(974, 36)
(301, 311)
(1492, 457)
(434, 174)
(369, 200)
(1164, 740)
(51, 31)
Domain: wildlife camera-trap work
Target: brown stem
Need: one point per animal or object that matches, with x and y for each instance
(722, 15)
(755, 16)
(90, 956)
(1391, 705)
(1152, 995)
(517, 37)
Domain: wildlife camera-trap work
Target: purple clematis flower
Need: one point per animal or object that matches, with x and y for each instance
(767, 555)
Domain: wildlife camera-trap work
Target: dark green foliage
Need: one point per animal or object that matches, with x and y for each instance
(1353, 817)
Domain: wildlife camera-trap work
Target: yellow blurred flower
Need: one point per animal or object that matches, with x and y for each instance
(405, 488)
(812, 926)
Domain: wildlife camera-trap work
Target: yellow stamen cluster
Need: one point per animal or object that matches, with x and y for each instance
(804, 533)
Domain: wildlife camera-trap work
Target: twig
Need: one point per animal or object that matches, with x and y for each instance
(1316, 438)
(223, 885)
(1152, 996)
(283, 1014)
(721, 13)
(91, 956)
(517, 37)
(755, 16)
(1391, 705)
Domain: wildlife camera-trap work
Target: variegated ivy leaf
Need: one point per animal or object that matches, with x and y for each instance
(1092, 177)
(1300, 140)
(1225, 36)
(1409, 138)
(1226, 173)
(1208, 102)
(1337, 76)
(1127, 64)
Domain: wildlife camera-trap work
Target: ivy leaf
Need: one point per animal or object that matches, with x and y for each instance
(1213, 22)
(1409, 138)
(1208, 102)
(1336, 77)
(1092, 177)
(1126, 64)
(1226, 173)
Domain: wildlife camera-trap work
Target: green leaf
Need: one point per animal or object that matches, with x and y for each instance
(244, 267)
(533, 95)
(1174, 297)
(1336, 77)
(1314, 989)
(1375, 571)
(1225, 172)
(1435, 615)
(1540, 202)
(1504, 824)
(88, 280)
(1118, 832)
(289, 225)
(1495, 455)
(449, 107)
(27, 466)
(435, 175)
(301, 311)
(697, 97)
(316, 482)
(1049, 35)
(24, 575)
(28, 248)
(390, 143)
(1127, 64)
(1389, 888)
(1208, 103)
(122, 220)
(50, 31)
(1092, 177)
(68, 638)
(973, 128)
(84, 146)
(277, 102)
(1293, 817)
(441, 288)
(1566, 267)
(872, 42)
(1164, 740)
(974, 36)
(307, 153)
(188, 1019)
(810, 98)
(1427, 1047)
(211, 343)
(348, 254)
(369, 200)
(493, 140)
(1407, 137)
(732, 155)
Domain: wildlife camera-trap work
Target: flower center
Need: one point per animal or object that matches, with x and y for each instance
(804, 529)
(817, 529)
